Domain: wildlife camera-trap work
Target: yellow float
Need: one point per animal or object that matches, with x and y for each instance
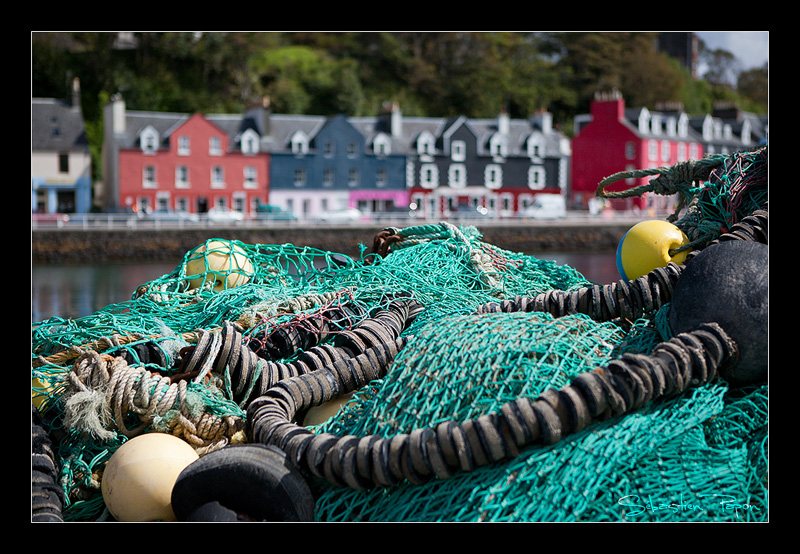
(649, 245)
(138, 479)
(223, 263)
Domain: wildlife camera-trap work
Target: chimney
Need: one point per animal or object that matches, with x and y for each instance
(76, 93)
(608, 105)
(543, 120)
(117, 114)
(266, 115)
(503, 122)
(396, 122)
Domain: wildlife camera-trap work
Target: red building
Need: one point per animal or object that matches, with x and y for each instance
(189, 163)
(613, 139)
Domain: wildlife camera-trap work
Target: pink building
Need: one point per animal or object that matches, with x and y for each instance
(613, 139)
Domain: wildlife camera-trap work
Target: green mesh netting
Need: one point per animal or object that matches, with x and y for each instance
(698, 457)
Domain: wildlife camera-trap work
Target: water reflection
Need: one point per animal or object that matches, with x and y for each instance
(72, 291)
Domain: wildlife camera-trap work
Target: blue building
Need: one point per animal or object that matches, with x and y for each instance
(323, 164)
(61, 167)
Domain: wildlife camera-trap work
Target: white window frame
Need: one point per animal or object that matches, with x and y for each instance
(182, 177)
(498, 146)
(217, 177)
(184, 145)
(429, 176)
(425, 145)
(214, 146)
(250, 177)
(149, 177)
(249, 142)
(381, 177)
(535, 147)
(149, 140)
(458, 151)
(353, 177)
(299, 177)
(536, 177)
(493, 176)
(457, 176)
(299, 144)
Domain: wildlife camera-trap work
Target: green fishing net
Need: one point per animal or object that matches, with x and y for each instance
(698, 457)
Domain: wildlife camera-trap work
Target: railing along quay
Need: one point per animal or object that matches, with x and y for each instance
(106, 222)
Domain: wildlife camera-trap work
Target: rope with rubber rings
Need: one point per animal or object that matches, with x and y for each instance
(623, 386)
(626, 299)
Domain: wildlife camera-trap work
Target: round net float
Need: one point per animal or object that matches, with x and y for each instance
(728, 284)
(649, 245)
(138, 478)
(224, 264)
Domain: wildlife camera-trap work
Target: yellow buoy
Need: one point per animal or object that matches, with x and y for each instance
(41, 389)
(138, 479)
(223, 263)
(649, 245)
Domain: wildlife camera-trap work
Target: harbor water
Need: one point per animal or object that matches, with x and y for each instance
(70, 291)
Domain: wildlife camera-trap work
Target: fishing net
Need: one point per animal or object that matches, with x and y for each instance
(164, 361)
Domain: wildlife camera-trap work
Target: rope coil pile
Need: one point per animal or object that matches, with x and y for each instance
(484, 385)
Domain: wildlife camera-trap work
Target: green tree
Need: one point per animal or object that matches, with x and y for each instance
(753, 85)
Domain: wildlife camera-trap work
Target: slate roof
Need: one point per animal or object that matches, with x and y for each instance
(283, 127)
(56, 126)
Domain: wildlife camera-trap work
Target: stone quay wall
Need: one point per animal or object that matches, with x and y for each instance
(164, 245)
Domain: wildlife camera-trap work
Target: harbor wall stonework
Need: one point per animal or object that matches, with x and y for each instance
(93, 246)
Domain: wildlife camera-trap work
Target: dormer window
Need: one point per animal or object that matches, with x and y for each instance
(382, 146)
(299, 144)
(683, 126)
(644, 121)
(425, 144)
(498, 147)
(149, 140)
(535, 147)
(249, 142)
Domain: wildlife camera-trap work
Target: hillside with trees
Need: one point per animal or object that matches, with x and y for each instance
(436, 74)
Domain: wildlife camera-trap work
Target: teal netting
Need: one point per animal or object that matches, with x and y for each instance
(106, 377)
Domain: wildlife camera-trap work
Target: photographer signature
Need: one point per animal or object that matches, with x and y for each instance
(726, 503)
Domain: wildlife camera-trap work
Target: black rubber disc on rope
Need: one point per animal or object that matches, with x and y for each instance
(254, 481)
(728, 284)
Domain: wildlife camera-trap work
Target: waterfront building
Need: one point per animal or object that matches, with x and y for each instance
(156, 161)
(613, 138)
(496, 166)
(61, 167)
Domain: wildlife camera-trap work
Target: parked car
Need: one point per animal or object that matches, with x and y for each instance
(167, 216)
(274, 213)
(49, 219)
(467, 211)
(546, 206)
(223, 215)
(348, 215)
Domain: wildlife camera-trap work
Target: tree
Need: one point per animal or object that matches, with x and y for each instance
(753, 85)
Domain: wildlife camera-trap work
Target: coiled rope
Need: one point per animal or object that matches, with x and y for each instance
(105, 391)
(670, 180)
